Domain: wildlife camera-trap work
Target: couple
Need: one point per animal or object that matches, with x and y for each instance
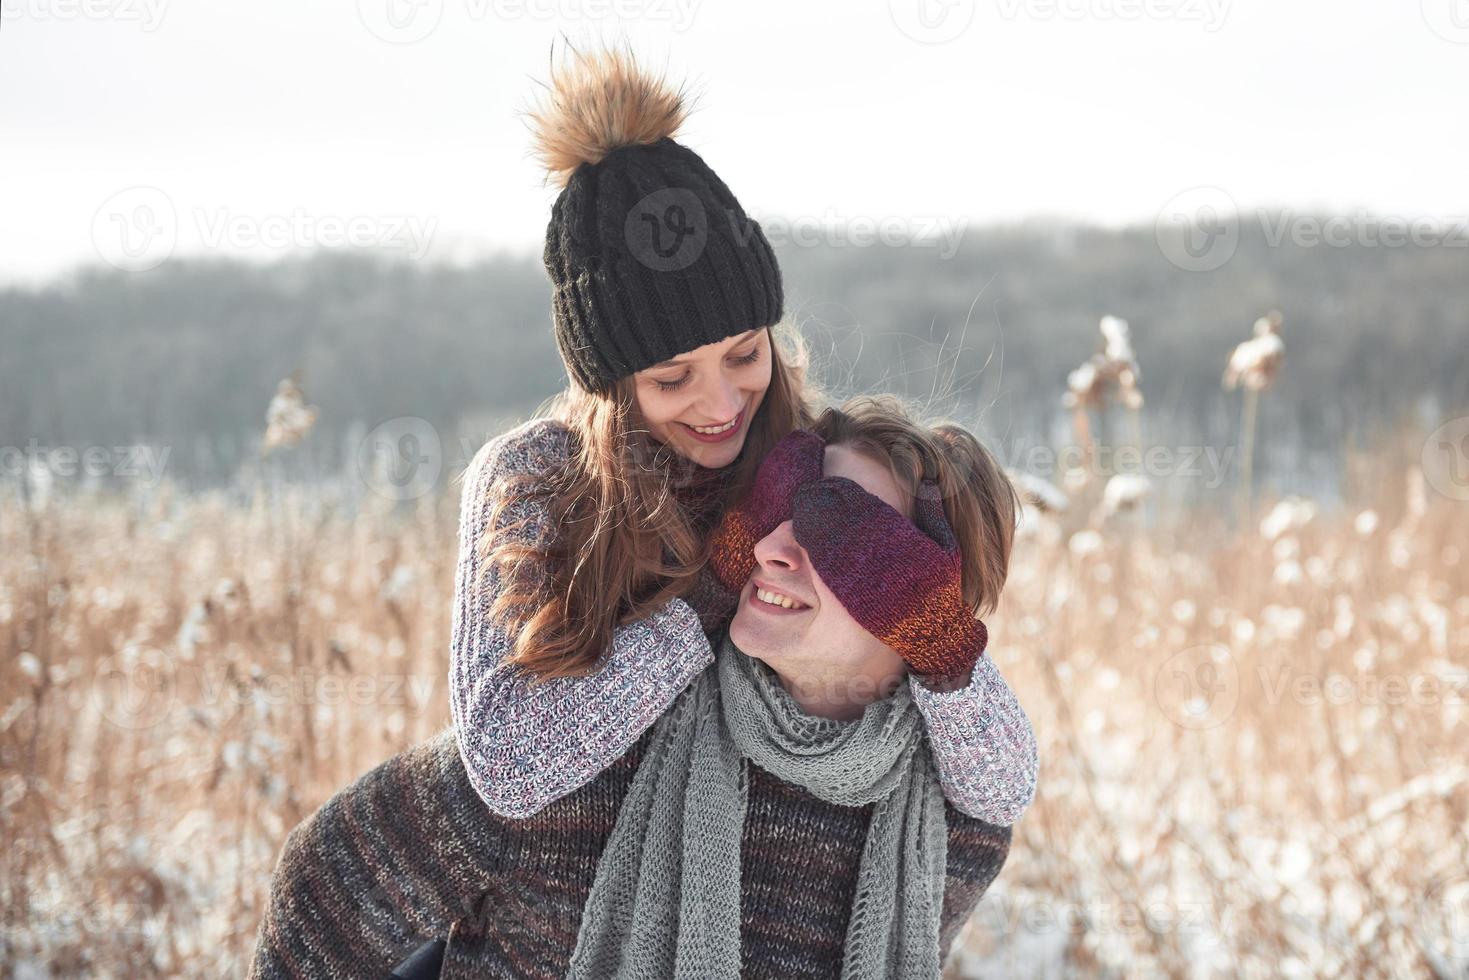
(720, 700)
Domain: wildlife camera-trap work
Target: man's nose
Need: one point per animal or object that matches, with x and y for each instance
(779, 549)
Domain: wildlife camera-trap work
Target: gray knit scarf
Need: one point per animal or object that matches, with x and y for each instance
(666, 899)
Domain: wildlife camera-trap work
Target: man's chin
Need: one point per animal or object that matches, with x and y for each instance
(752, 641)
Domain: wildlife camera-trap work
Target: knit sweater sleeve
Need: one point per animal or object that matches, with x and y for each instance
(524, 746)
(983, 745)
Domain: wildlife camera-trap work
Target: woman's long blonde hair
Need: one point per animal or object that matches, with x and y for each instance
(623, 544)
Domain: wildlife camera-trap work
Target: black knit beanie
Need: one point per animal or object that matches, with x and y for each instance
(649, 253)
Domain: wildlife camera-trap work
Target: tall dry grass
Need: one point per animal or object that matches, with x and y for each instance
(184, 679)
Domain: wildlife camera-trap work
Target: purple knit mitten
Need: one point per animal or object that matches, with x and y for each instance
(713, 601)
(795, 460)
(900, 579)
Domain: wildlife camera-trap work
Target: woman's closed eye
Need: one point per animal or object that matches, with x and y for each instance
(740, 361)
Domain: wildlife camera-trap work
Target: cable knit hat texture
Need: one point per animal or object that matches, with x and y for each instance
(649, 254)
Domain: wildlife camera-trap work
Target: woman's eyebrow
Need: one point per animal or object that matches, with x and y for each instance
(676, 362)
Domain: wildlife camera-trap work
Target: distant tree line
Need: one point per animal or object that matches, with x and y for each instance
(188, 354)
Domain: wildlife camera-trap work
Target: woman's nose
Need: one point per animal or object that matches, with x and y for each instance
(722, 402)
(779, 549)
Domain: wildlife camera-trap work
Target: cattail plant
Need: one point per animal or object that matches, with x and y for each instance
(1119, 365)
(1038, 493)
(1254, 365)
(1124, 493)
(288, 418)
(1041, 502)
(1288, 516)
(1111, 371)
(1084, 390)
(143, 808)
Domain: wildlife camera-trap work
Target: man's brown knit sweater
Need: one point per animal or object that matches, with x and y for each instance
(410, 853)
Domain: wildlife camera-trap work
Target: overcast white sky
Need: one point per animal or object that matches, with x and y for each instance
(223, 122)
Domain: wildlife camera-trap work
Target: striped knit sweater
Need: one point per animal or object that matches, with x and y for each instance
(526, 746)
(409, 853)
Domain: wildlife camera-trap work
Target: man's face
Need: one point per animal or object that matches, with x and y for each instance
(817, 641)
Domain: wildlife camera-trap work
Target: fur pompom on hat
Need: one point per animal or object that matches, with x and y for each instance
(596, 103)
(649, 253)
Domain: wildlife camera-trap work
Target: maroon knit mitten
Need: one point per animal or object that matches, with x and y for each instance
(795, 460)
(713, 601)
(900, 580)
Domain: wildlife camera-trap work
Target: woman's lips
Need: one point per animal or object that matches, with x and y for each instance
(724, 436)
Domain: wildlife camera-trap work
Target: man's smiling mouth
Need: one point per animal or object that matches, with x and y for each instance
(773, 598)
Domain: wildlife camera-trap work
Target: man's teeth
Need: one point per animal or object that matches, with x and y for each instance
(776, 599)
(714, 430)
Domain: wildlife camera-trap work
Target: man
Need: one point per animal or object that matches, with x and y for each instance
(782, 819)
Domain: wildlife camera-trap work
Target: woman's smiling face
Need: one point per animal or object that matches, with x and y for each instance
(700, 403)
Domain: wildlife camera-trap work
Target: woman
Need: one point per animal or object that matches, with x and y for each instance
(584, 599)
